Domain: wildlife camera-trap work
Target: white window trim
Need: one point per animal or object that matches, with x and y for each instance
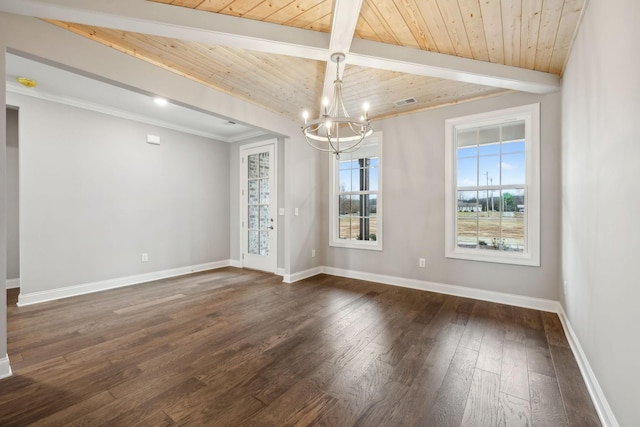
(334, 171)
(531, 115)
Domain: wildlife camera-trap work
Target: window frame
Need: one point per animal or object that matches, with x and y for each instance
(334, 205)
(531, 254)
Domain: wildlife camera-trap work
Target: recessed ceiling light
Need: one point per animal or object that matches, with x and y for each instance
(160, 101)
(27, 82)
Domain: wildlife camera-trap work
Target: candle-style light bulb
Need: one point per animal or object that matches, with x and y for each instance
(325, 104)
(365, 107)
(305, 115)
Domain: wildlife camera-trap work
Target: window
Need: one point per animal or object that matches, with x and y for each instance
(493, 186)
(356, 197)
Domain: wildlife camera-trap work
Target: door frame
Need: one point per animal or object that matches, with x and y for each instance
(243, 205)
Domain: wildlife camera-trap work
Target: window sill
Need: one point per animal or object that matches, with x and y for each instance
(523, 259)
(366, 245)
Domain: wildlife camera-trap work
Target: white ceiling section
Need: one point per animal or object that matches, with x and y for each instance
(60, 85)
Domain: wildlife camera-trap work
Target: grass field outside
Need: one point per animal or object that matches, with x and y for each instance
(350, 227)
(491, 230)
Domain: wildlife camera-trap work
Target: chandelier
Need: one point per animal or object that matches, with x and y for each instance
(335, 131)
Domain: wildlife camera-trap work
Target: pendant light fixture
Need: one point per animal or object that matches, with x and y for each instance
(335, 131)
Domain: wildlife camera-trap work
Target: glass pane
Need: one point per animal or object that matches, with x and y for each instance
(253, 242)
(355, 178)
(467, 137)
(513, 147)
(253, 218)
(264, 191)
(253, 166)
(264, 165)
(512, 131)
(344, 205)
(468, 151)
(510, 200)
(513, 169)
(467, 171)
(345, 180)
(468, 201)
(489, 232)
(349, 227)
(372, 205)
(489, 149)
(265, 219)
(264, 243)
(373, 217)
(488, 134)
(467, 216)
(513, 221)
(492, 202)
(373, 174)
(253, 192)
(355, 205)
(488, 222)
(346, 164)
(489, 170)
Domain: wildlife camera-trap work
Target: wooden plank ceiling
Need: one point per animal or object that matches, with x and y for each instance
(528, 34)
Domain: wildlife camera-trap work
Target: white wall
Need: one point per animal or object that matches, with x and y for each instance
(5, 369)
(95, 195)
(13, 222)
(414, 150)
(600, 202)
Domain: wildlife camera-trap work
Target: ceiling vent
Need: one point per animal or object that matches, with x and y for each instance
(403, 102)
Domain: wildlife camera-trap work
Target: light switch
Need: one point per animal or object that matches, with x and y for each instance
(281, 211)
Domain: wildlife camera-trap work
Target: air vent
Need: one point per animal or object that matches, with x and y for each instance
(403, 102)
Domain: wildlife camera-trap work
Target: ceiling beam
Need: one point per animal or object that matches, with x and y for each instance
(188, 24)
(383, 56)
(343, 27)
(183, 23)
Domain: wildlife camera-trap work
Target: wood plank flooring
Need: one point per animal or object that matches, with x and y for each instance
(239, 347)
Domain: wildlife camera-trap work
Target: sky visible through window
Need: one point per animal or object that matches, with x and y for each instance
(491, 164)
(350, 175)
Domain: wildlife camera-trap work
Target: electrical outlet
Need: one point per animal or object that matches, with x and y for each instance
(144, 257)
(422, 263)
(313, 253)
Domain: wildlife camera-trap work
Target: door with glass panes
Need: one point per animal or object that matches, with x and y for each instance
(259, 206)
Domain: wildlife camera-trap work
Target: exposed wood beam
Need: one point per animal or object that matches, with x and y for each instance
(383, 56)
(189, 24)
(158, 19)
(343, 27)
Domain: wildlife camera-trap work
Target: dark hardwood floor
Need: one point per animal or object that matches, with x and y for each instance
(238, 347)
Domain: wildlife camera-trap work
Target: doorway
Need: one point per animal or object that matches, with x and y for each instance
(259, 206)
(12, 199)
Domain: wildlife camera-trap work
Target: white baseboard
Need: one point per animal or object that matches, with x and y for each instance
(5, 367)
(13, 283)
(460, 291)
(280, 272)
(301, 275)
(607, 417)
(86, 288)
(235, 263)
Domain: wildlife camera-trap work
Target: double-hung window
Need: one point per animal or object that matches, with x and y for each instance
(493, 186)
(356, 197)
